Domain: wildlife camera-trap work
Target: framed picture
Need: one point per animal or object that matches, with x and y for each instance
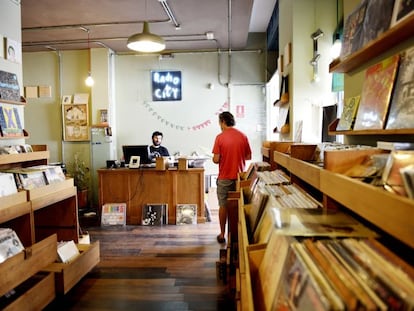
(75, 122)
(402, 10)
(13, 50)
(103, 115)
(66, 99)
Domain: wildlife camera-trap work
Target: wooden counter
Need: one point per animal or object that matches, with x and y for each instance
(137, 187)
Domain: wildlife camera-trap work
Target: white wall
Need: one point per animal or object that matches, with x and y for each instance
(190, 124)
(10, 25)
(298, 20)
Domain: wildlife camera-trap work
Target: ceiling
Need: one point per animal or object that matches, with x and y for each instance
(66, 25)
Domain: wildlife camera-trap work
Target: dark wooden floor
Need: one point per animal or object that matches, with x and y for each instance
(152, 268)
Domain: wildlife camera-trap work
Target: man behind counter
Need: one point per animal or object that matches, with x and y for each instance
(156, 150)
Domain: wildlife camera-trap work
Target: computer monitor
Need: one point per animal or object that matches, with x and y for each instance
(136, 150)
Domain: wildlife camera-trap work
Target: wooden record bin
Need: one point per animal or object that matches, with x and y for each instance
(41, 217)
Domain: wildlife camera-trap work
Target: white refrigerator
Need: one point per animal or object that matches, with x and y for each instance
(101, 151)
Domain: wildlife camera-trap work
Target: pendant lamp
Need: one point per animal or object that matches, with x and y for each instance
(145, 41)
(89, 80)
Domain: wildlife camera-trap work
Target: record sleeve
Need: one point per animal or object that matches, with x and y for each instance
(10, 244)
(376, 94)
(152, 214)
(391, 176)
(347, 119)
(353, 28)
(346, 294)
(301, 290)
(401, 113)
(186, 214)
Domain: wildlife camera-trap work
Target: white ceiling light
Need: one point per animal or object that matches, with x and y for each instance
(89, 80)
(146, 42)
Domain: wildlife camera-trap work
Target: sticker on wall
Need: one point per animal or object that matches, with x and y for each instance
(166, 85)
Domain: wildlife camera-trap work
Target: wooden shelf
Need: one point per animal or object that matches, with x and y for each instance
(306, 171)
(37, 155)
(20, 267)
(41, 217)
(379, 207)
(394, 36)
(13, 206)
(24, 136)
(13, 102)
(50, 194)
(383, 209)
(332, 131)
(68, 274)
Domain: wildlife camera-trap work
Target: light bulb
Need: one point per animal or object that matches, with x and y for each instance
(336, 48)
(89, 80)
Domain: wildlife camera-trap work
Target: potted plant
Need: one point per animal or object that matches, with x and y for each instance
(81, 179)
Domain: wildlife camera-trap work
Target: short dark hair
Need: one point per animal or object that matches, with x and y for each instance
(227, 118)
(157, 133)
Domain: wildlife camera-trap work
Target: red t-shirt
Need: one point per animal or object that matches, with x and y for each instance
(233, 148)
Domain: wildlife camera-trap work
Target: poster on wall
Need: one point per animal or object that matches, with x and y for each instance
(166, 85)
(12, 50)
(75, 122)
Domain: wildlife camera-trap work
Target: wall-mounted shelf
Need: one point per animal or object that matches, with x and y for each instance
(332, 131)
(393, 36)
(13, 102)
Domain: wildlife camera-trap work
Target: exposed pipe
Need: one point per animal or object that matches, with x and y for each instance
(169, 13)
(229, 17)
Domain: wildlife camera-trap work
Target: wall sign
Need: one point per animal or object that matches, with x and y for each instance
(166, 85)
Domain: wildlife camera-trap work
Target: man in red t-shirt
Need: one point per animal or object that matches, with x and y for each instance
(230, 151)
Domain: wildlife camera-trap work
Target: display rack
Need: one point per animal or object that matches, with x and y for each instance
(41, 217)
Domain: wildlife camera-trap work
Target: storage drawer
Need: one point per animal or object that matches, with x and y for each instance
(20, 267)
(68, 274)
(34, 294)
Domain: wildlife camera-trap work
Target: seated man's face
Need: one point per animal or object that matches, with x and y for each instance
(156, 140)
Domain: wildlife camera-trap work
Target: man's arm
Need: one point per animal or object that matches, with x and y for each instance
(216, 158)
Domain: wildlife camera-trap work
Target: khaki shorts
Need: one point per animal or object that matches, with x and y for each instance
(223, 188)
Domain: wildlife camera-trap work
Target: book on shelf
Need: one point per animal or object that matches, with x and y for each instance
(10, 244)
(154, 214)
(401, 112)
(186, 214)
(376, 94)
(349, 112)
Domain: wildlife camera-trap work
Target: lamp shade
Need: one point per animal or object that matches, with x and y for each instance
(146, 42)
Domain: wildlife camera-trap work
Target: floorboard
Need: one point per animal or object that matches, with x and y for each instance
(153, 268)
